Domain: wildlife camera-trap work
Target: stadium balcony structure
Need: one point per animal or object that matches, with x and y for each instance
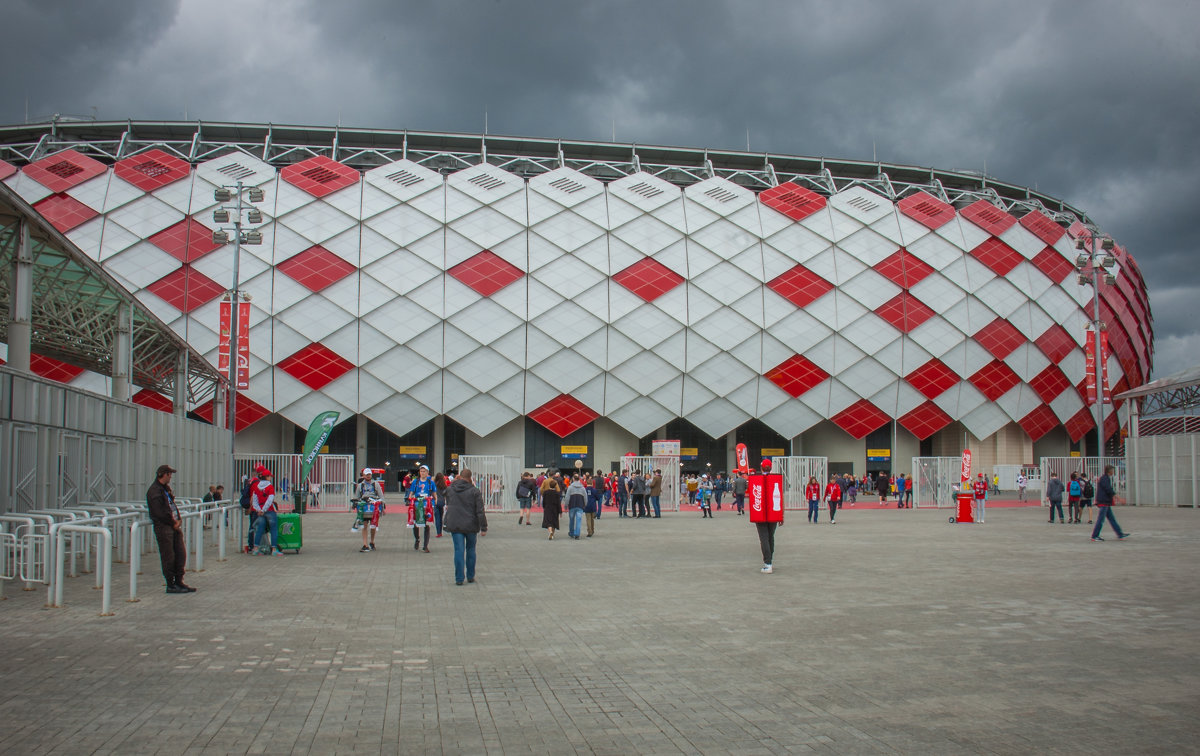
(85, 329)
(512, 283)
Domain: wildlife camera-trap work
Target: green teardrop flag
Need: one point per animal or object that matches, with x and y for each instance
(318, 434)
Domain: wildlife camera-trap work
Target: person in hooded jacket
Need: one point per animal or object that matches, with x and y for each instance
(465, 520)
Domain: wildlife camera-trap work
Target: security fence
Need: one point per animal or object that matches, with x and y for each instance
(796, 471)
(496, 477)
(334, 475)
(671, 494)
(935, 480)
(1164, 470)
(1091, 467)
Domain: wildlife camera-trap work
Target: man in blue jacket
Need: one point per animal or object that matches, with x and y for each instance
(1104, 502)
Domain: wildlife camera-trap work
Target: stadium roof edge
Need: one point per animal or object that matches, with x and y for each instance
(20, 143)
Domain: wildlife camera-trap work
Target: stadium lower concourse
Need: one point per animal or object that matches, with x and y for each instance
(454, 294)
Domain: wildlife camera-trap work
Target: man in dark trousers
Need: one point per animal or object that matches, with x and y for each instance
(1104, 502)
(168, 530)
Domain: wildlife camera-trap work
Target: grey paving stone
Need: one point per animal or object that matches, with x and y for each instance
(893, 632)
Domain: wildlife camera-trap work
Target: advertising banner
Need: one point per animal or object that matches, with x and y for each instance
(743, 459)
(664, 448)
(243, 346)
(966, 465)
(765, 497)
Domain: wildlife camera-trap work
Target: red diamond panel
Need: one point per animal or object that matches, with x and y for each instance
(186, 289)
(153, 400)
(1080, 423)
(187, 241)
(648, 278)
(988, 217)
(150, 170)
(1039, 422)
(925, 420)
(319, 175)
(6, 170)
(932, 379)
(316, 365)
(1055, 343)
(64, 170)
(800, 286)
(796, 375)
(905, 311)
(53, 369)
(994, 379)
(1042, 227)
(64, 211)
(316, 268)
(926, 209)
(903, 268)
(486, 272)
(999, 337)
(1050, 383)
(997, 255)
(1055, 266)
(860, 418)
(794, 201)
(563, 415)
(249, 412)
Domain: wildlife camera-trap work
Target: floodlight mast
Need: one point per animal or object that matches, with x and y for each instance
(235, 192)
(1095, 258)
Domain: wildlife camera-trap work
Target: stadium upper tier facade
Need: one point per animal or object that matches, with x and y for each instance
(405, 276)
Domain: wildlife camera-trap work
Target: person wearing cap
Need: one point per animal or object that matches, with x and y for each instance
(422, 493)
(370, 488)
(262, 503)
(168, 529)
(980, 490)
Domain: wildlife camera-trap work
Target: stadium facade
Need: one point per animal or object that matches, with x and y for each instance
(452, 293)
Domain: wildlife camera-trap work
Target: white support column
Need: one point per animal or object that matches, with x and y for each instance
(122, 357)
(20, 323)
(360, 442)
(437, 455)
(219, 406)
(179, 404)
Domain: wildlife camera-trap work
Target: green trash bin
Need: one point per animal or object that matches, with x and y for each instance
(291, 532)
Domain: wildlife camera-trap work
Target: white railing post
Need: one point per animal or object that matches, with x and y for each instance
(59, 563)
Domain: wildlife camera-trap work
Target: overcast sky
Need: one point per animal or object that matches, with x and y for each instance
(1097, 103)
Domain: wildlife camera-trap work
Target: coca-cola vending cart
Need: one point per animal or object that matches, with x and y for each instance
(765, 495)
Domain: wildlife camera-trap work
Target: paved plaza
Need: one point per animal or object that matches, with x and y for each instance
(890, 632)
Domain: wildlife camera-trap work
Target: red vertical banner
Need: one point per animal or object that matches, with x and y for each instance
(1107, 396)
(966, 465)
(243, 346)
(223, 339)
(1089, 372)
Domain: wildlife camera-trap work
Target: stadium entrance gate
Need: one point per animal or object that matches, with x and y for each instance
(796, 471)
(671, 495)
(496, 478)
(1093, 467)
(935, 480)
(335, 473)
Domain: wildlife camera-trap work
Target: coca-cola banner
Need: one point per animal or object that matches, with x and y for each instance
(765, 498)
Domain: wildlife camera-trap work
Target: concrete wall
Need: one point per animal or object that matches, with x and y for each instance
(508, 440)
(612, 443)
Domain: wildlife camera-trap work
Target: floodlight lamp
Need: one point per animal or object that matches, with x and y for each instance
(1081, 243)
(255, 194)
(221, 194)
(1106, 244)
(1108, 261)
(1110, 279)
(1082, 261)
(220, 237)
(252, 238)
(220, 216)
(254, 216)
(247, 296)
(1084, 279)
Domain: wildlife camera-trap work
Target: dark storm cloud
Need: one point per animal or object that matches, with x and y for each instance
(1092, 102)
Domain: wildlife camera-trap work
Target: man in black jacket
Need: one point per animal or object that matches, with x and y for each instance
(168, 530)
(464, 519)
(1104, 503)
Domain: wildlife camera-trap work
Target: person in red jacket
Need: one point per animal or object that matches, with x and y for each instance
(262, 502)
(833, 497)
(812, 494)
